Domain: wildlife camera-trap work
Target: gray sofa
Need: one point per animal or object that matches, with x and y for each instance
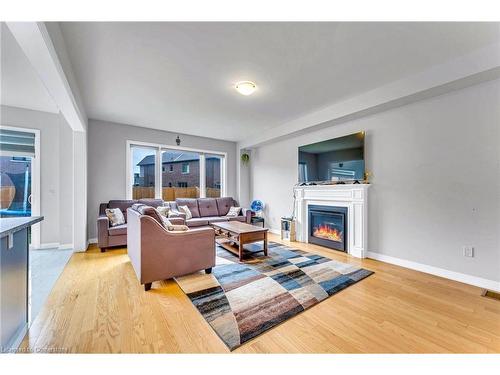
(204, 210)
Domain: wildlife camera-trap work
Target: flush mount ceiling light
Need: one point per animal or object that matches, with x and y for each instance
(245, 87)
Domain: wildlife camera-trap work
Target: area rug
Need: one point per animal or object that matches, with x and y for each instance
(241, 300)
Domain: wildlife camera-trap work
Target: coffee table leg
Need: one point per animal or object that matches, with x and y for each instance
(265, 244)
(240, 250)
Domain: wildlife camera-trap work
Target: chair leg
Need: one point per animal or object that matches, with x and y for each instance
(103, 249)
(147, 286)
(208, 270)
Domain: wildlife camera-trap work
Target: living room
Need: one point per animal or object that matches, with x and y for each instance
(250, 187)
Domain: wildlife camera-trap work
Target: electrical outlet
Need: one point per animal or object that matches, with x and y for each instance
(468, 251)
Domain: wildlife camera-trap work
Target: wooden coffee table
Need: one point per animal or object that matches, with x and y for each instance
(237, 234)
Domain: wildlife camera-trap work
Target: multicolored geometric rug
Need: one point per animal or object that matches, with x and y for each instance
(242, 300)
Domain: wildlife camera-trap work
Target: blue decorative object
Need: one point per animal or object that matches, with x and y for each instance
(257, 206)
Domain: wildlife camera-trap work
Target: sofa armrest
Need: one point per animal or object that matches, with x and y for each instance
(177, 220)
(102, 231)
(248, 213)
(102, 208)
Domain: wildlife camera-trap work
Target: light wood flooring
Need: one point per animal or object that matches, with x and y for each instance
(98, 306)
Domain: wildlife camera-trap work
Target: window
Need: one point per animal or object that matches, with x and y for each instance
(143, 165)
(184, 180)
(191, 173)
(213, 175)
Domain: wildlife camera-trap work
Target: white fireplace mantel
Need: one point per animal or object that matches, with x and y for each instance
(352, 196)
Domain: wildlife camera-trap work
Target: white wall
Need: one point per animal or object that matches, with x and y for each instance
(55, 170)
(436, 179)
(107, 143)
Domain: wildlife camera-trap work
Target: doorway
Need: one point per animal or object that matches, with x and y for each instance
(20, 175)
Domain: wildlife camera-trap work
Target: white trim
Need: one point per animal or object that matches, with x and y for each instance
(158, 173)
(92, 240)
(159, 148)
(171, 147)
(52, 245)
(447, 274)
(47, 245)
(35, 182)
(352, 196)
(37, 45)
(223, 172)
(203, 176)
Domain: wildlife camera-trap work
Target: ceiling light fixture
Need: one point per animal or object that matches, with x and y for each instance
(245, 87)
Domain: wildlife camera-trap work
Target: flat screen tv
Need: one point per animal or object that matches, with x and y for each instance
(336, 159)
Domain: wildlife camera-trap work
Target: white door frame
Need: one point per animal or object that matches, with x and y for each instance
(35, 182)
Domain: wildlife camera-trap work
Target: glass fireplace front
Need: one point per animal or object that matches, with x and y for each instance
(328, 226)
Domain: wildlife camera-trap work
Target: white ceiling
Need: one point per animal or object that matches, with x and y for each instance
(180, 76)
(20, 85)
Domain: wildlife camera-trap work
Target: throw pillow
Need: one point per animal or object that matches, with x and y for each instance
(234, 211)
(174, 228)
(173, 213)
(185, 210)
(115, 216)
(163, 210)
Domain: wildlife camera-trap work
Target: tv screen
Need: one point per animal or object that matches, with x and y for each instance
(336, 159)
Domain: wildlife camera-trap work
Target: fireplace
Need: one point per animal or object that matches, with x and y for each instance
(328, 226)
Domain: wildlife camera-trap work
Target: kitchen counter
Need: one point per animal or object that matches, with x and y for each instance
(14, 280)
(9, 225)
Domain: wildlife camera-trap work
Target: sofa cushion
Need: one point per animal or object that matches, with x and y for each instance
(197, 222)
(115, 216)
(191, 203)
(208, 207)
(118, 230)
(151, 202)
(215, 219)
(122, 204)
(234, 211)
(163, 210)
(171, 204)
(186, 211)
(136, 206)
(237, 218)
(224, 204)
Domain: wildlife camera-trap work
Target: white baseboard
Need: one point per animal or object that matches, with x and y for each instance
(92, 240)
(47, 245)
(447, 274)
(275, 231)
(52, 245)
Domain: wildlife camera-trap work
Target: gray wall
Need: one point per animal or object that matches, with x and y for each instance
(107, 144)
(55, 170)
(436, 179)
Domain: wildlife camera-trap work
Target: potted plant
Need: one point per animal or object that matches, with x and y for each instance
(245, 157)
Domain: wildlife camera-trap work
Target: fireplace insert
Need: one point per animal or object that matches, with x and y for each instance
(328, 226)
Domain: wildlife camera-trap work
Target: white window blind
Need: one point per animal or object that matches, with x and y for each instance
(17, 142)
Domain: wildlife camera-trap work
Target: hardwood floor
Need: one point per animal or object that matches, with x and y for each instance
(98, 306)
